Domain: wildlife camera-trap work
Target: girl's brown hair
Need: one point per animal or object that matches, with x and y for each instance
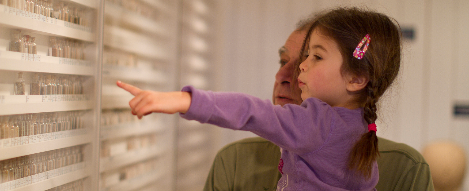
(380, 65)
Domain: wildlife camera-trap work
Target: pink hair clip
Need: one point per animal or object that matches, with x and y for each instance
(360, 53)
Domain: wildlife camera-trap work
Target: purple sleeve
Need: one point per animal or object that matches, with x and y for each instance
(296, 128)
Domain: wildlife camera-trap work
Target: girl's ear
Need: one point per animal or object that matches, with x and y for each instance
(356, 83)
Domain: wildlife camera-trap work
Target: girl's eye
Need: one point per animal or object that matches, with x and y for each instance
(317, 57)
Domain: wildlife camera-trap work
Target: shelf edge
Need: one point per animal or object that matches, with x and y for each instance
(29, 149)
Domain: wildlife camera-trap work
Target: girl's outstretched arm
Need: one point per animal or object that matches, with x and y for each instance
(146, 102)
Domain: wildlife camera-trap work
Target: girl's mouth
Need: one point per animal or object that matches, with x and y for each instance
(300, 83)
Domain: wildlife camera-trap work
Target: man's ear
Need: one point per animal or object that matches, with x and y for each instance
(356, 83)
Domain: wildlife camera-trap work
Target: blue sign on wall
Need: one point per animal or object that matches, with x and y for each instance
(408, 33)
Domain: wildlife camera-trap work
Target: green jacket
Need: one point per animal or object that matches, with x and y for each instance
(251, 164)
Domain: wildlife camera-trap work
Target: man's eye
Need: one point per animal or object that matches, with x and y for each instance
(283, 62)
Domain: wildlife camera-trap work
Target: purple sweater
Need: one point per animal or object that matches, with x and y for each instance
(315, 138)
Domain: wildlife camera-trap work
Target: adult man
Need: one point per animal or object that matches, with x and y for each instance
(251, 164)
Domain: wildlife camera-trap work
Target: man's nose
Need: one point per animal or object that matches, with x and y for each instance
(284, 74)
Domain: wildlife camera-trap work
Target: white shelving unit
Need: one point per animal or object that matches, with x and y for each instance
(196, 141)
(19, 143)
(150, 45)
(152, 41)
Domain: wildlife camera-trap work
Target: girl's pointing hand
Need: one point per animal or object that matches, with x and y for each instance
(146, 102)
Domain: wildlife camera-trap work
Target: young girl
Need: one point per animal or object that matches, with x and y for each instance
(328, 142)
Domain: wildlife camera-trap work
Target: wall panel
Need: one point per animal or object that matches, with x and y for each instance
(441, 58)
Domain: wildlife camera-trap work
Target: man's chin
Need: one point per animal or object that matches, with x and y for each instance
(283, 101)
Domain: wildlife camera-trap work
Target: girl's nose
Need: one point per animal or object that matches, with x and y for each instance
(302, 67)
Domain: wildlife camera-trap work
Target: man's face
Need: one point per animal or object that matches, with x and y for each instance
(289, 55)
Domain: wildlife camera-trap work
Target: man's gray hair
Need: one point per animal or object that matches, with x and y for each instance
(305, 23)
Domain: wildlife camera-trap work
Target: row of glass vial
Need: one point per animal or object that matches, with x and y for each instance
(38, 164)
(141, 168)
(137, 6)
(66, 48)
(140, 142)
(58, 47)
(113, 147)
(50, 8)
(117, 116)
(71, 186)
(22, 43)
(32, 128)
(50, 84)
(119, 58)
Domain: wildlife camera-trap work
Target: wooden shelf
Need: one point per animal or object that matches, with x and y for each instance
(45, 25)
(21, 104)
(15, 61)
(115, 162)
(134, 74)
(29, 149)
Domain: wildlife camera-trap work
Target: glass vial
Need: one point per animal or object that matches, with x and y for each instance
(67, 49)
(56, 11)
(25, 44)
(37, 7)
(35, 87)
(32, 46)
(44, 85)
(16, 43)
(65, 13)
(53, 47)
(30, 5)
(46, 8)
(19, 85)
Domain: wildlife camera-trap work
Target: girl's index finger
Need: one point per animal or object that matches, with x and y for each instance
(127, 87)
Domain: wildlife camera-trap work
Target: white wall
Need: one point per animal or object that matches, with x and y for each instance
(417, 110)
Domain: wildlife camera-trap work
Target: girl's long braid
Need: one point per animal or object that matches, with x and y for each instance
(365, 151)
(370, 105)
